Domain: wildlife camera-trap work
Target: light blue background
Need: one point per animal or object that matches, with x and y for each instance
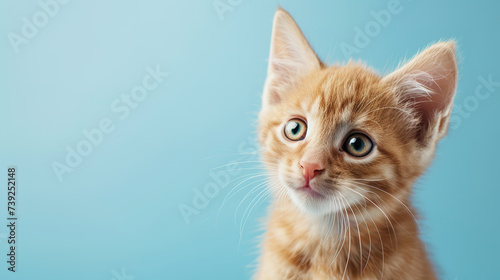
(120, 207)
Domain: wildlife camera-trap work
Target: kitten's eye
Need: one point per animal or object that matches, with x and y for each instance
(358, 145)
(295, 129)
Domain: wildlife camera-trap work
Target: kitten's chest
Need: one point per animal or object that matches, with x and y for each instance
(337, 257)
(344, 260)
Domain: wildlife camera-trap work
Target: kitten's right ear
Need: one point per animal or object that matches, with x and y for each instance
(290, 57)
(427, 85)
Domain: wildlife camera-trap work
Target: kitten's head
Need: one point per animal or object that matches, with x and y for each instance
(337, 136)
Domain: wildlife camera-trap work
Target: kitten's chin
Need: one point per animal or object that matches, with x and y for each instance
(312, 202)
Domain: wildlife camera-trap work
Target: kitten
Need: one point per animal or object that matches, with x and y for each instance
(343, 147)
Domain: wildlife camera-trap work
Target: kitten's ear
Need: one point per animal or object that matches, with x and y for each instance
(426, 85)
(290, 57)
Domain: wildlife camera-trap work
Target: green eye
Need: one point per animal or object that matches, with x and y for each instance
(358, 145)
(295, 129)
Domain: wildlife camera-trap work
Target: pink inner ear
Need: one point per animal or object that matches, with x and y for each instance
(290, 57)
(428, 83)
(281, 78)
(441, 84)
(274, 96)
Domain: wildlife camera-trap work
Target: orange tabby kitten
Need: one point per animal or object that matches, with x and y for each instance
(343, 146)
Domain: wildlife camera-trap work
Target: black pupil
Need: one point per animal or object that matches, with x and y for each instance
(296, 129)
(357, 143)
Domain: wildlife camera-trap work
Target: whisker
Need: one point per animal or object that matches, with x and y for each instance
(243, 162)
(254, 189)
(402, 203)
(232, 193)
(349, 250)
(382, 211)
(357, 226)
(369, 239)
(263, 194)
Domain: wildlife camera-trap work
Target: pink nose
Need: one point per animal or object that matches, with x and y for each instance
(311, 169)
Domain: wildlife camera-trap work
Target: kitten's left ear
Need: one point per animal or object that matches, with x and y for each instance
(426, 86)
(290, 57)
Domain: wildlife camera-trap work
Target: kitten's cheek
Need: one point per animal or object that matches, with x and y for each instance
(291, 183)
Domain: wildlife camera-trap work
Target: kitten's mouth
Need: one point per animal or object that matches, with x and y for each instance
(309, 191)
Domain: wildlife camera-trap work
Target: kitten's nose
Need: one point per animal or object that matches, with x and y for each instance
(311, 169)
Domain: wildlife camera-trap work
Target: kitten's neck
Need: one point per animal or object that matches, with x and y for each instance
(354, 244)
(385, 218)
